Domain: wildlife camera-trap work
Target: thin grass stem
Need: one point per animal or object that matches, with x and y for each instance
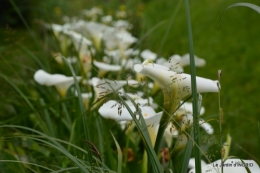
(169, 26)
(194, 91)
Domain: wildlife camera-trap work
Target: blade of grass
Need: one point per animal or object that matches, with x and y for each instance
(18, 91)
(60, 141)
(139, 42)
(68, 119)
(99, 134)
(169, 27)
(188, 149)
(42, 124)
(53, 144)
(194, 91)
(241, 4)
(187, 154)
(82, 110)
(119, 155)
(33, 56)
(48, 119)
(76, 168)
(25, 23)
(24, 162)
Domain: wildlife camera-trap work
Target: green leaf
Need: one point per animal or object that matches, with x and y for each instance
(188, 149)
(187, 154)
(119, 155)
(53, 144)
(81, 109)
(241, 4)
(27, 163)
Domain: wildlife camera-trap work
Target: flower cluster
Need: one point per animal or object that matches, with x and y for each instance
(102, 47)
(104, 53)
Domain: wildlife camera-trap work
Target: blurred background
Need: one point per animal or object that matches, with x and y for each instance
(232, 45)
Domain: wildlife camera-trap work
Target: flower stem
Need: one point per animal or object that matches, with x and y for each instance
(163, 124)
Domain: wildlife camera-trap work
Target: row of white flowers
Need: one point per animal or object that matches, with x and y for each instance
(108, 45)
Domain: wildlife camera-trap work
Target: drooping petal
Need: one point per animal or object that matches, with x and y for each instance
(169, 133)
(118, 112)
(173, 63)
(122, 25)
(175, 86)
(103, 87)
(81, 44)
(187, 108)
(138, 98)
(61, 82)
(93, 12)
(86, 98)
(181, 142)
(192, 163)
(107, 19)
(206, 126)
(187, 122)
(147, 54)
(152, 124)
(185, 60)
(107, 67)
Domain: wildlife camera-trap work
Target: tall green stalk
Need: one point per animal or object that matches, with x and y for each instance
(82, 112)
(194, 92)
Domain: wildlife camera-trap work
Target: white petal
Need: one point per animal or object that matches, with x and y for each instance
(86, 98)
(106, 19)
(79, 39)
(206, 126)
(142, 101)
(147, 54)
(93, 12)
(185, 60)
(112, 109)
(173, 64)
(107, 67)
(103, 87)
(188, 108)
(169, 133)
(168, 79)
(188, 122)
(47, 79)
(192, 163)
(153, 120)
(174, 86)
(152, 124)
(125, 39)
(122, 24)
(61, 82)
(86, 95)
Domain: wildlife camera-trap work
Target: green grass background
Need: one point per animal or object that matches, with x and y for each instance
(233, 46)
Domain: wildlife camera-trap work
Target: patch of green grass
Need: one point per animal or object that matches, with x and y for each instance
(233, 46)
